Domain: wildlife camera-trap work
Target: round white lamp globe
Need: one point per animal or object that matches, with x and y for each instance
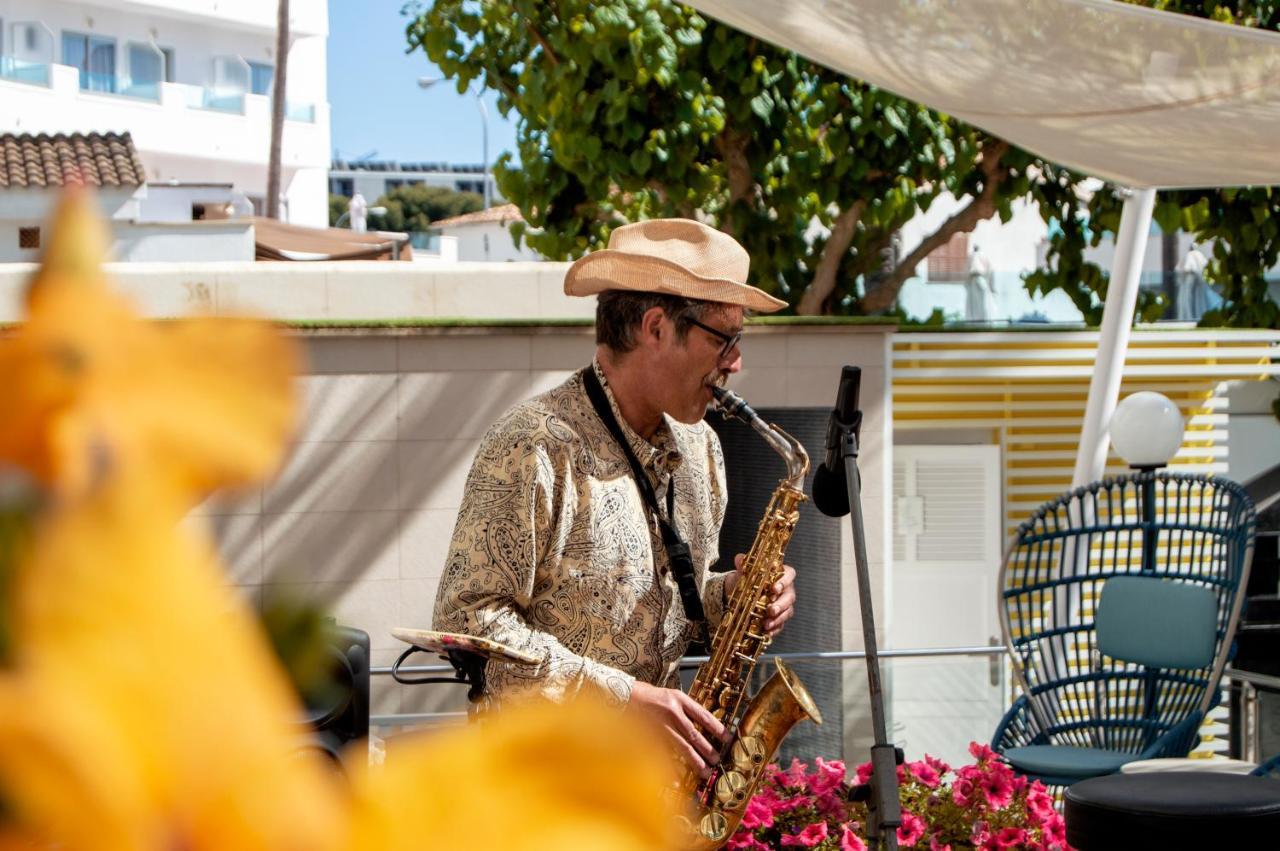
(1146, 429)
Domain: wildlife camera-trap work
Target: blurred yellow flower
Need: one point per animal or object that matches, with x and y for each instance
(91, 387)
(140, 706)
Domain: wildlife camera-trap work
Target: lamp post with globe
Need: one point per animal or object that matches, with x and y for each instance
(1146, 431)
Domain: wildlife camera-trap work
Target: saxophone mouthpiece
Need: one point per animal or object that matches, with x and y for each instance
(731, 405)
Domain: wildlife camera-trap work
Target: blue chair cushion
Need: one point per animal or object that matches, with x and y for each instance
(1157, 622)
(1064, 761)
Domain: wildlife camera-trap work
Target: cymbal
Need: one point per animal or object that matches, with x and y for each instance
(443, 642)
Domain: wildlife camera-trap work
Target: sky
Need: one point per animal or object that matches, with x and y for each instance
(375, 101)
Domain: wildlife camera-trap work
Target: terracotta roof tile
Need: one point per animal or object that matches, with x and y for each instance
(37, 161)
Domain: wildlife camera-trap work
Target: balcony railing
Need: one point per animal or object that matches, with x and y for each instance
(22, 71)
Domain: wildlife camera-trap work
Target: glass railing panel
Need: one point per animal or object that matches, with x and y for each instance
(141, 90)
(218, 100)
(97, 82)
(22, 71)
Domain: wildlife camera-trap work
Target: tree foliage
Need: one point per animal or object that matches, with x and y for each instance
(337, 206)
(629, 109)
(640, 108)
(414, 208)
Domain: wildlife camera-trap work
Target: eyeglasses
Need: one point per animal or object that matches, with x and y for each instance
(730, 340)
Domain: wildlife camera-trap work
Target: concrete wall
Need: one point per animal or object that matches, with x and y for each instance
(361, 516)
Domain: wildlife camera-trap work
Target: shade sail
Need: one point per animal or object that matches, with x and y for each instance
(1128, 94)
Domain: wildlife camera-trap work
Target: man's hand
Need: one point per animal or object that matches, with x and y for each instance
(782, 595)
(694, 732)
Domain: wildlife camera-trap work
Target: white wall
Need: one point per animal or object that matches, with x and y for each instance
(189, 242)
(488, 241)
(21, 208)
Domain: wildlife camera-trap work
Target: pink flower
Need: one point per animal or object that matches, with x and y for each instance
(925, 773)
(863, 773)
(759, 813)
(1039, 804)
(962, 792)
(827, 777)
(936, 764)
(795, 775)
(1011, 837)
(849, 841)
(982, 753)
(1055, 831)
(997, 786)
(912, 829)
(980, 835)
(935, 845)
(743, 841)
(809, 837)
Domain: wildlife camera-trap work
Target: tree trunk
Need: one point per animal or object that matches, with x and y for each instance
(818, 294)
(277, 110)
(963, 221)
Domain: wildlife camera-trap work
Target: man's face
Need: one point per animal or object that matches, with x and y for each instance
(690, 367)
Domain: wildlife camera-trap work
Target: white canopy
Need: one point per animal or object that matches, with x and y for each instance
(1134, 96)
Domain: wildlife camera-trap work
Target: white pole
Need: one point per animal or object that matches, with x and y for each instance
(1113, 343)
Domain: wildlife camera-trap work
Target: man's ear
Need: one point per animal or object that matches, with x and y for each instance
(653, 325)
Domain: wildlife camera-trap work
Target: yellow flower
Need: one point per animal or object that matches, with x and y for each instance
(142, 708)
(90, 387)
(539, 777)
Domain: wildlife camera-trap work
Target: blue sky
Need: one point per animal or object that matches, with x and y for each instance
(375, 100)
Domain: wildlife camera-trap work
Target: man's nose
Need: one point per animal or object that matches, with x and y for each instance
(732, 362)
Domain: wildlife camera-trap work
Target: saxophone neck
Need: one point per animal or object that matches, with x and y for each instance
(731, 406)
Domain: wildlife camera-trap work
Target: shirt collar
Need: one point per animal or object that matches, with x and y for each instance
(661, 454)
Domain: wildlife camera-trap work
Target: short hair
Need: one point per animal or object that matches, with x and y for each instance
(618, 315)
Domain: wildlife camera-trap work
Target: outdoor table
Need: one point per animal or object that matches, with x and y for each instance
(1174, 809)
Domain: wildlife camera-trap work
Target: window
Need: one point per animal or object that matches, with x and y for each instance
(260, 78)
(950, 262)
(475, 186)
(95, 56)
(146, 70)
(344, 186)
(29, 237)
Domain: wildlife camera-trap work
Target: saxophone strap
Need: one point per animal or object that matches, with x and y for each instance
(678, 554)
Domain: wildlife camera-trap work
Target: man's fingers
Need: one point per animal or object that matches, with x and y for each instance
(688, 750)
(701, 717)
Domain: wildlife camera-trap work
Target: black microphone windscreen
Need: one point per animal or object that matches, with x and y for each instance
(830, 494)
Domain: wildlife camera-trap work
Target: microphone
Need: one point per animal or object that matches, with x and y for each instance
(830, 492)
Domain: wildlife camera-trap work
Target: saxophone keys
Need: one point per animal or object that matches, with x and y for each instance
(747, 752)
(731, 789)
(714, 826)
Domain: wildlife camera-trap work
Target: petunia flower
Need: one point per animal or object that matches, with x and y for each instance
(981, 752)
(849, 840)
(911, 830)
(807, 838)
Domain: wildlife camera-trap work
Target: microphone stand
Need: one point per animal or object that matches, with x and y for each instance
(884, 810)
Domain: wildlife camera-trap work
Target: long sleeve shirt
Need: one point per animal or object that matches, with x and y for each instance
(555, 552)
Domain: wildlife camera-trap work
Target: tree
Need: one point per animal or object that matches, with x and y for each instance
(635, 108)
(338, 205)
(414, 208)
(277, 109)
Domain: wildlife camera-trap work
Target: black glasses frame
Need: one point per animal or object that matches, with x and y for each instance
(730, 340)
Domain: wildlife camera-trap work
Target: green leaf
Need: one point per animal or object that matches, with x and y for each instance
(1168, 215)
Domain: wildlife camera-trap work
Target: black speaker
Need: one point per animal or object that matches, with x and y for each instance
(337, 707)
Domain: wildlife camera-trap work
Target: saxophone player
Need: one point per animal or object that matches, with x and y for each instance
(592, 511)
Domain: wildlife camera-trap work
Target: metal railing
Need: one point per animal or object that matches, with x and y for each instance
(405, 719)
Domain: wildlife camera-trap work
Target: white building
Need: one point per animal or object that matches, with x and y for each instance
(485, 236)
(190, 80)
(374, 178)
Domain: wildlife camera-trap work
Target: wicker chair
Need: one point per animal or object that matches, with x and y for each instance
(1119, 603)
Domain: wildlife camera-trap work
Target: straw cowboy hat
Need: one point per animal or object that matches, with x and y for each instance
(674, 256)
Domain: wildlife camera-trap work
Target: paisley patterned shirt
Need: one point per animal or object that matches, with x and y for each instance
(555, 553)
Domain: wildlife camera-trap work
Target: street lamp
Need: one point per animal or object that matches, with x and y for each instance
(428, 82)
(1146, 431)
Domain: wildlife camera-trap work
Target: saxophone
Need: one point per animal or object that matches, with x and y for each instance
(756, 726)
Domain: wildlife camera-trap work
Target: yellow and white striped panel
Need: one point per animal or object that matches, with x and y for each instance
(1029, 388)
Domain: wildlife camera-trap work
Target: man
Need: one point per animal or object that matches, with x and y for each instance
(557, 552)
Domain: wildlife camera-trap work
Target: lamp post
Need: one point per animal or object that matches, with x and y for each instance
(1146, 431)
(428, 82)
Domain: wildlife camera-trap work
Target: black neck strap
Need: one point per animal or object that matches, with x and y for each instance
(678, 554)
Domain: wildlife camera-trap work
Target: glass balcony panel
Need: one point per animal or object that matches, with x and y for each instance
(294, 111)
(22, 71)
